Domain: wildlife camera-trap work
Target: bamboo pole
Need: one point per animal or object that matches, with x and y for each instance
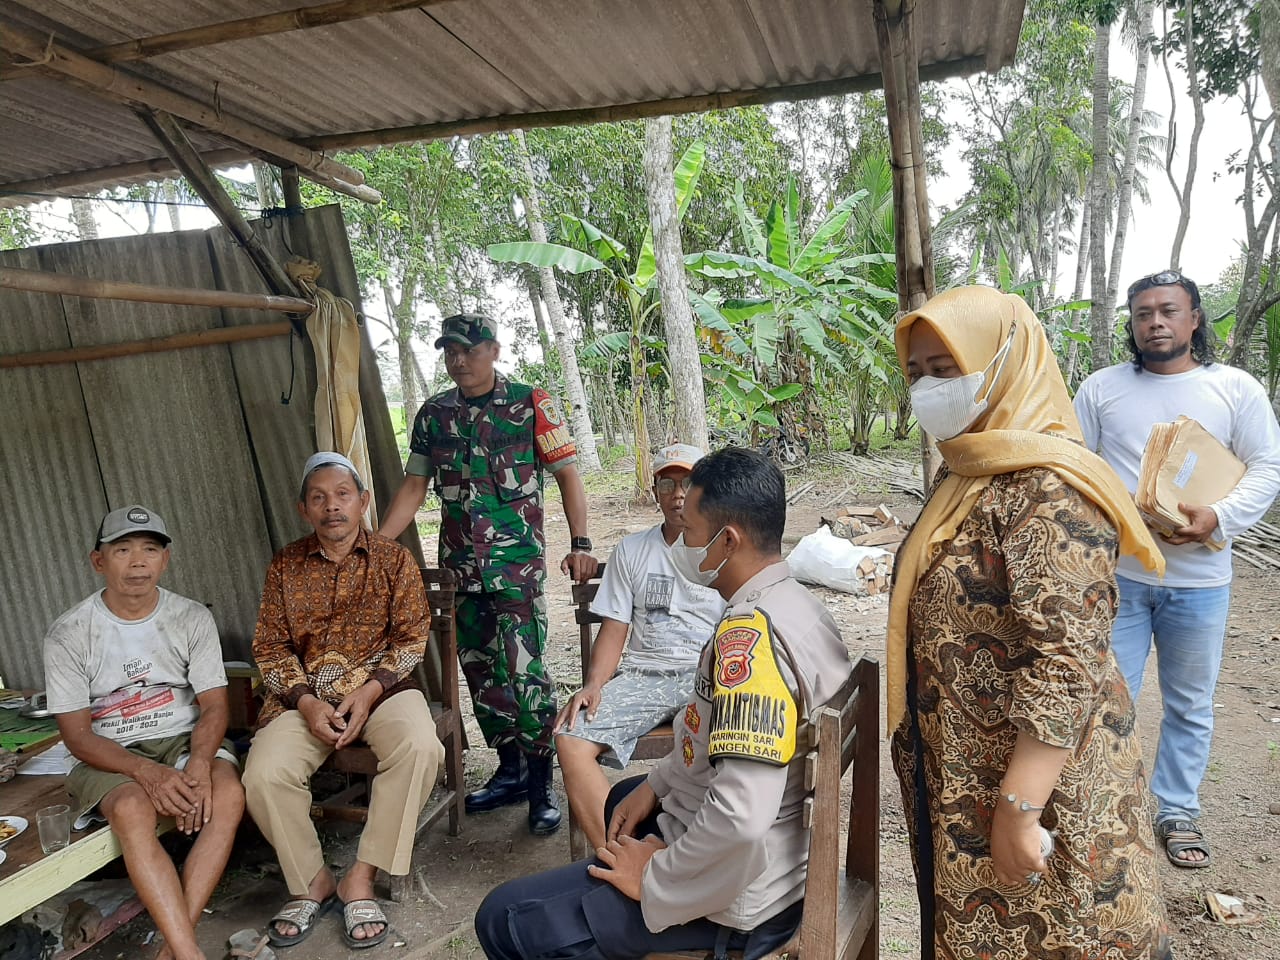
(175, 143)
(40, 281)
(133, 348)
(122, 87)
(301, 18)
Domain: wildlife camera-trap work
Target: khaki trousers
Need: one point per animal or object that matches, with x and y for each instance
(285, 754)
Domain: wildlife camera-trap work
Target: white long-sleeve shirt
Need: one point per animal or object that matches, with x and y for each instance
(1117, 408)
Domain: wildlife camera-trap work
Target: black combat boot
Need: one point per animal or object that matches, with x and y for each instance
(544, 805)
(509, 783)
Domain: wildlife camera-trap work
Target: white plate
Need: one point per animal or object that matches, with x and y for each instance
(19, 822)
(2, 856)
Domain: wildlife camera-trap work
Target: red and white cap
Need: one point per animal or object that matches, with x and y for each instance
(676, 455)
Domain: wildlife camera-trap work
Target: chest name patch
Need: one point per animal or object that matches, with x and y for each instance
(753, 711)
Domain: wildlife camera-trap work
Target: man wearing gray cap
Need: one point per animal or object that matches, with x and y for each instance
(343, 623)
(486, 447)
(134, 674)
(669, 620)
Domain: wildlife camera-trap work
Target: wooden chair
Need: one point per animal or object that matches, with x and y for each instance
(359, 761)
(655, 744)
(841, 904)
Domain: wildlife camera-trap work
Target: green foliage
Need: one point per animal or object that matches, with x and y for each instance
(17, 229)
(1226, 40)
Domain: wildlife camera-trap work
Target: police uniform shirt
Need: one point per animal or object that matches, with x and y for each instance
(731, 795)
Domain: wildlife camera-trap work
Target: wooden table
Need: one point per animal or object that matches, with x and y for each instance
(28, 876)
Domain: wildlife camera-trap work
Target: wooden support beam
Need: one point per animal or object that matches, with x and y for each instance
(912, 232)
(115, 84)
(301, 18)
(21, 192)
(65, 284)
(133, 348)
(175, 143)
(962, 66)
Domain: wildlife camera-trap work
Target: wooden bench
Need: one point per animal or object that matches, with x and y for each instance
(842, 902)
(654, 745)
(359, 761)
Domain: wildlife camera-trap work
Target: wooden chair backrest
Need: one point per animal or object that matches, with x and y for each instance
(441, 587)
(583, 593)
(842, 893)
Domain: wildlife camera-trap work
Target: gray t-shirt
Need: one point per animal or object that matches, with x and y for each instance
(138, 678)
(671, 619)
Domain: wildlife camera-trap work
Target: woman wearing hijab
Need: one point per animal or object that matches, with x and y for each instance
(1012, 727)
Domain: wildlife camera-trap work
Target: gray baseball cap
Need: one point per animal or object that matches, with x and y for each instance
(134, 518)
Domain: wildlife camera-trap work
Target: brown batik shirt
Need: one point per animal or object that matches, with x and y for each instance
(328, 628)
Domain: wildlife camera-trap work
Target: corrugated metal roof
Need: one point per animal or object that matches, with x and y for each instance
(462, 60)
(199, 434)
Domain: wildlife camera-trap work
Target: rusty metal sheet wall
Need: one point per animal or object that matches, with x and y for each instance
(198, 434)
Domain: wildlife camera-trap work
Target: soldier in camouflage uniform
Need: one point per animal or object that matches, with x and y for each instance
(486, 447)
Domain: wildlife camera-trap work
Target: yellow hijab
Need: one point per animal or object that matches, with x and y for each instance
(1028, 422)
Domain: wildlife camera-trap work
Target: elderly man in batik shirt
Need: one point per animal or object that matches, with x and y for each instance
(343, 622)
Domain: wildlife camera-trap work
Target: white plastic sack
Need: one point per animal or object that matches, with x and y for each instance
(831, 561)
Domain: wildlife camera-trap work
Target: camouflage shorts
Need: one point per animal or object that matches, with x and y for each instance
(632, 704)
(502, 636)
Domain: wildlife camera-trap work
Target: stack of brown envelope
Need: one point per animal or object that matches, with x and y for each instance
(1183, 463)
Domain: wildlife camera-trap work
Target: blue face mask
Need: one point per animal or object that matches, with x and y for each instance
(688, 560)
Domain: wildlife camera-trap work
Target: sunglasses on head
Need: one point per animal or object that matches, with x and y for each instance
(1165, 278)
(665, 485)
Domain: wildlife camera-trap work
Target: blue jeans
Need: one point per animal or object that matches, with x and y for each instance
(1187, 625)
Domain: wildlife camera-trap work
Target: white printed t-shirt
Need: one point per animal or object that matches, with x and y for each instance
(1117, 407)
(671, 619)
(138, 678)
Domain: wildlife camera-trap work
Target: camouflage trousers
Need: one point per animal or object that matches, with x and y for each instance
(502, 637)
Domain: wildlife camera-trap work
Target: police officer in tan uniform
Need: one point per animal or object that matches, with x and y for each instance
(709, 851)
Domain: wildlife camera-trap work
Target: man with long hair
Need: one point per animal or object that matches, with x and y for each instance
(1172, 374)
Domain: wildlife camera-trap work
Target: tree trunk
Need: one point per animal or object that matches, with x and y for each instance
(1082, 272)
(1102, 312)
(685, 371)
(1183, 193)
(1136, 106)
(82, 216)
(579, 415)
(263, 185)
(539, 317)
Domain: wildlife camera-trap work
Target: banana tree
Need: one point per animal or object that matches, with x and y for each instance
(807, 310)
(587, 249)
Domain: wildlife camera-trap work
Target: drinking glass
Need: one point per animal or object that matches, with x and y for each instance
(54, 824)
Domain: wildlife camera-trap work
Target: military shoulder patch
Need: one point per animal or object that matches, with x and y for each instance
(754, 714)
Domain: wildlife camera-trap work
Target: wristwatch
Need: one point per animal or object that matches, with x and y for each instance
(582, 544)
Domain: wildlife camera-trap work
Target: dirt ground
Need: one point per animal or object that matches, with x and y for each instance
(456, 872)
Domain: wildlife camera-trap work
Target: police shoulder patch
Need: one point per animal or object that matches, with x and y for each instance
(754, 714)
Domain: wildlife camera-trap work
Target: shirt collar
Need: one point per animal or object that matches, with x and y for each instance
(454, 397)
(314, 547)
(774, 573)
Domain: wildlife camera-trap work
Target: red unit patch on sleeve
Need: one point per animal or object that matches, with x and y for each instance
(550, 433)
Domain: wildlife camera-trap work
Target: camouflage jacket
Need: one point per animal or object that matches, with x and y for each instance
(488, 466)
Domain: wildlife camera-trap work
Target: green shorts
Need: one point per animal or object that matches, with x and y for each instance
(88, 785)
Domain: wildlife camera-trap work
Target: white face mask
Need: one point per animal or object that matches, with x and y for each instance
(947, 407)
(688, 560)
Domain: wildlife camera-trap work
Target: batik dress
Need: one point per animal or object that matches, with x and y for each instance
(1009, 629)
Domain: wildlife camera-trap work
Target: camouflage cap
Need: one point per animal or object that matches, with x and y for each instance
(467, 329)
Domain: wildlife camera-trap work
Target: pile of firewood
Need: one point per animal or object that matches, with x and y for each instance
(871, 527)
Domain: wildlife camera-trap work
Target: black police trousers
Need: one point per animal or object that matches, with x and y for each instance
(566, 914)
